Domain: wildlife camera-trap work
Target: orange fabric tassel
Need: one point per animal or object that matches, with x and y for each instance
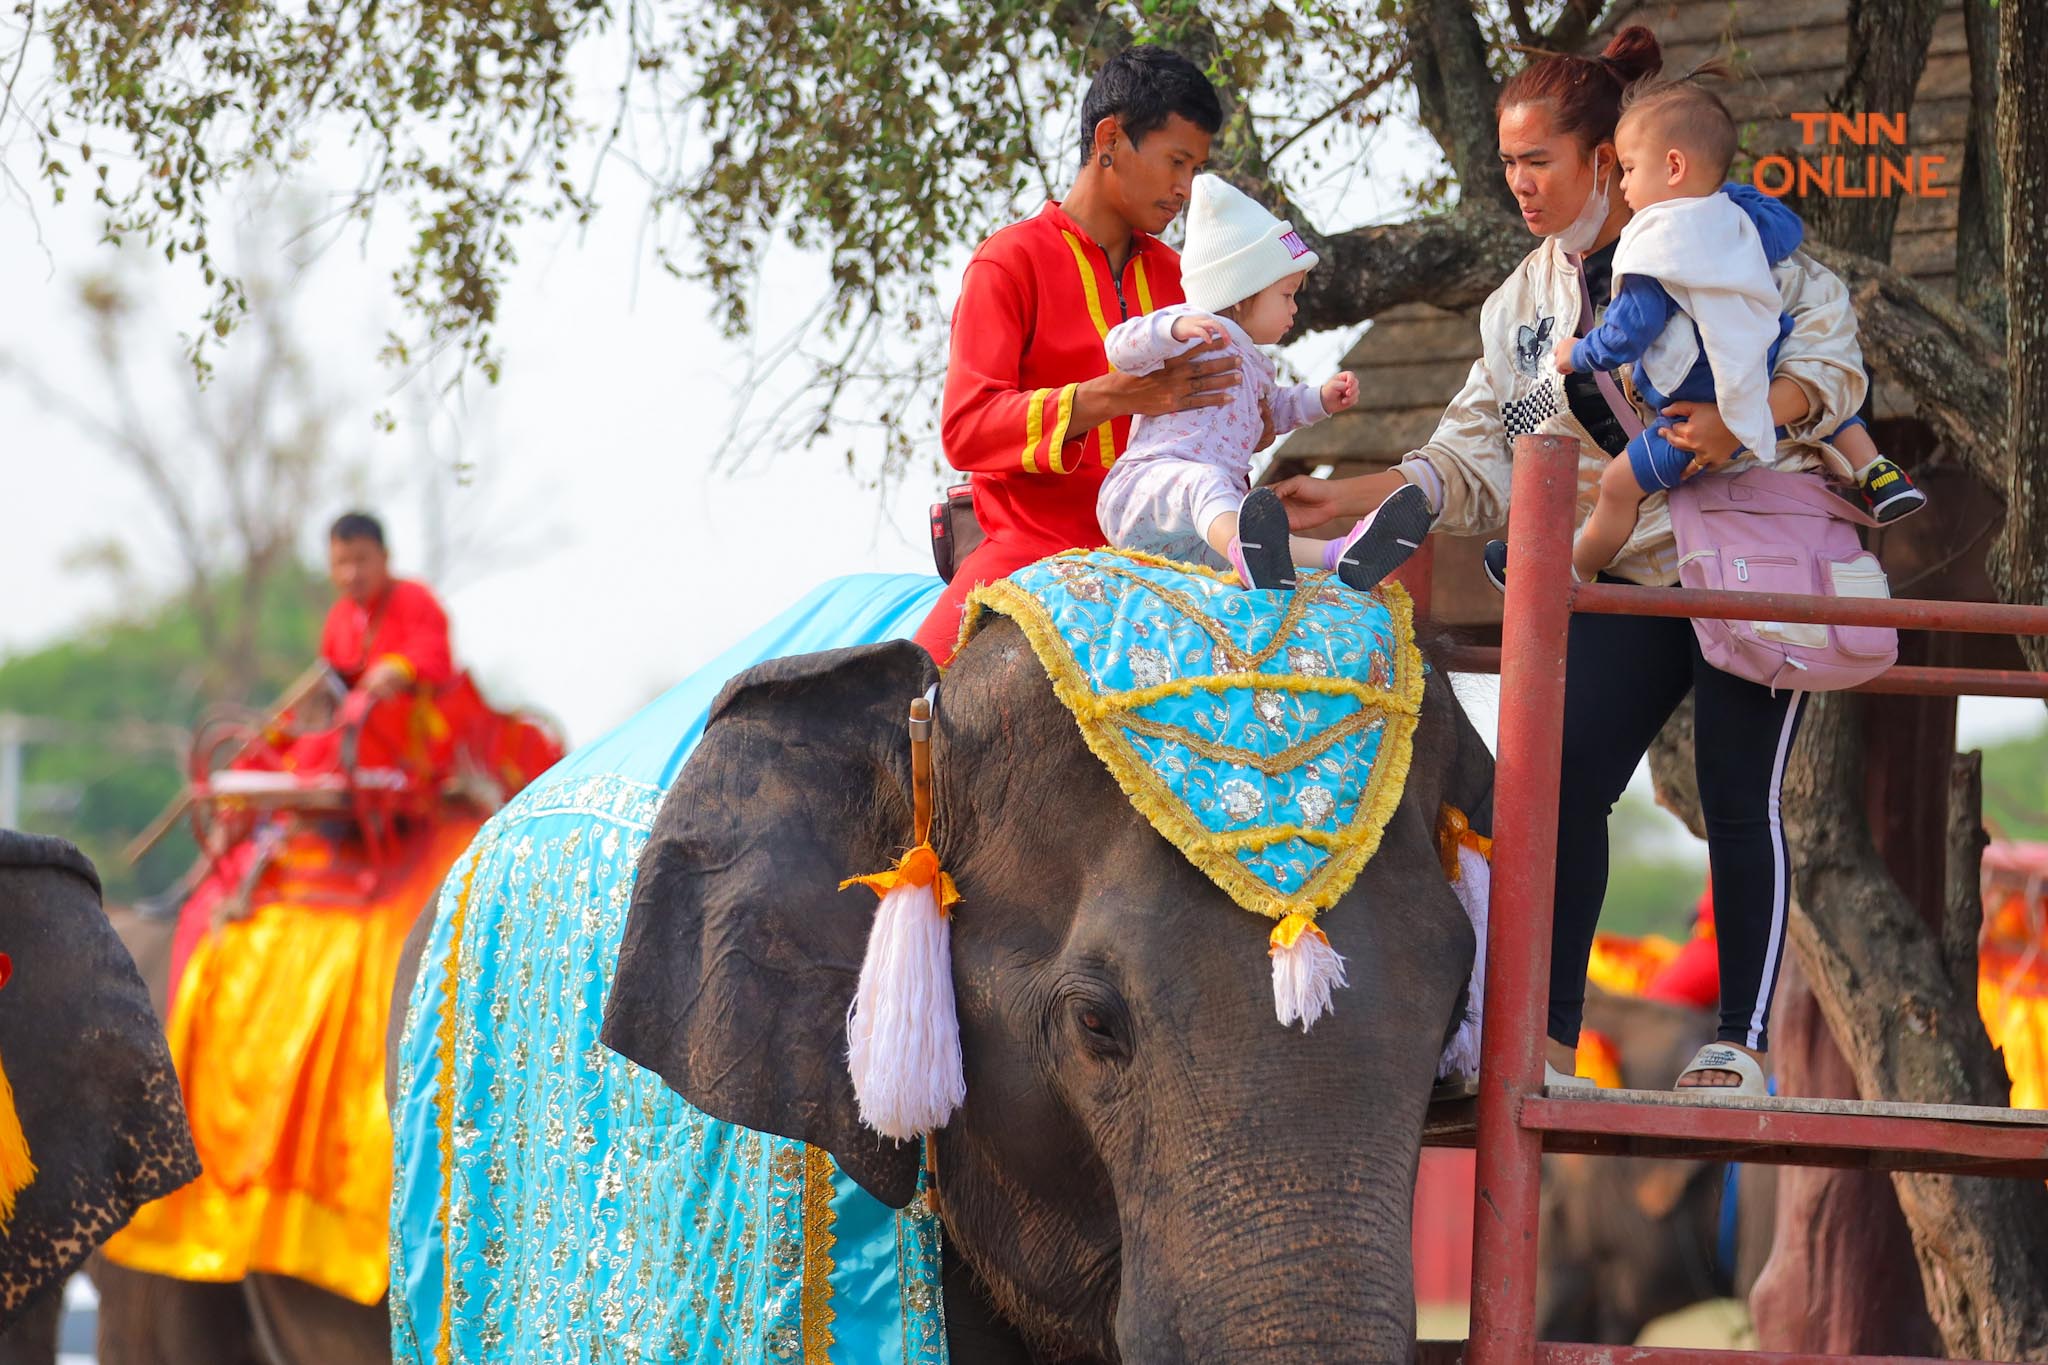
(918, 867)
(17, 1168)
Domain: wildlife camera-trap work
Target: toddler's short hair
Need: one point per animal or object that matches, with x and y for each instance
(1685, 114)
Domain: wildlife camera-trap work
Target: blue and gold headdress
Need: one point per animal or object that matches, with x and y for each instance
(1266, 735)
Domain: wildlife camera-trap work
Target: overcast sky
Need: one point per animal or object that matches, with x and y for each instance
(594, 451)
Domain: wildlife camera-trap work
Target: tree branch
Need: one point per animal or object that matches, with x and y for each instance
(1962, 919)
(1980, 212)
(1910, 1033)
(1453, 260)
(1525, 32)
(1568, 34)
(1888, 42)
(1944, 357)
(1456, 93)
(1366, 90)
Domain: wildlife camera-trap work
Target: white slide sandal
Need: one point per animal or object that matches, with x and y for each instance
(1722, 1057)
(1553, 1079)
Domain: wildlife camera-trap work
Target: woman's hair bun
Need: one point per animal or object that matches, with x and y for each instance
(1634, 54)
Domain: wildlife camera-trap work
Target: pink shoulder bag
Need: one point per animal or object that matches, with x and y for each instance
(1765, 530)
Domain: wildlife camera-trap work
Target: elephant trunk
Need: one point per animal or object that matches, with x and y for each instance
(1275, 1256)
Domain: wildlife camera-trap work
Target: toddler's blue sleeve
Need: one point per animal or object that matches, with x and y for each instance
(1640, 309)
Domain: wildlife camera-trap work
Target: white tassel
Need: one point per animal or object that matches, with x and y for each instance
(902, 1031)
(1474, 886)
(1305, 970)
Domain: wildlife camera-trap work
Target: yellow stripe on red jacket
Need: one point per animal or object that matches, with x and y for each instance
(1037, 299)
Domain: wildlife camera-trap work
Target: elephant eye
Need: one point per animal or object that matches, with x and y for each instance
(1101, 1027)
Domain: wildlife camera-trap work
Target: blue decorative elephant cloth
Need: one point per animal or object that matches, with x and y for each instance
(554, 1202)
(1266, 735)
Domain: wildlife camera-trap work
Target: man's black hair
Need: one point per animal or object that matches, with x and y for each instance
(357, 526)
(1144, 86)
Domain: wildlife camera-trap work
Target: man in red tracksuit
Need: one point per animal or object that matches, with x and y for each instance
(1032, 409)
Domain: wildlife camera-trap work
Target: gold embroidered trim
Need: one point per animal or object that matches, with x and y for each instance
(1233, 658)
(1059, 431)
(1103, 720)
(1105, 435)
(816, 1291)
(1293, 756)
(444, 1050)
(1088, 289)
(1034, 428)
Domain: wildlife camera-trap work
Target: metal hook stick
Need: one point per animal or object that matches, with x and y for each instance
(921, 770)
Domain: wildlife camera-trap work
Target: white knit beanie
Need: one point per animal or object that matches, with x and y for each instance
(1235, 248)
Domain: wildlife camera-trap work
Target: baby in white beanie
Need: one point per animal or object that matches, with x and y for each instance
(1183, 487)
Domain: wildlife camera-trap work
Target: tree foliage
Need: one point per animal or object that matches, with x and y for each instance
(883, 136)
(114, 701)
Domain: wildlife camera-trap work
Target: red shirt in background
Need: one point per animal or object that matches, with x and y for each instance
(404, 622)
(1035, 304)
(1693, 977)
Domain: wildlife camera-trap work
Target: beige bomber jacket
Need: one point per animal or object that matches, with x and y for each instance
(1514, 389)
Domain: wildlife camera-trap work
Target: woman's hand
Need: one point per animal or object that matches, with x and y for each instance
(1310, 501)
(1340, 391)
(1562, 356)
(1699, 429)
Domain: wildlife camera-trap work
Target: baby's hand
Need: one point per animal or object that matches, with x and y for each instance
(1198, 326)
(1563, 354)
(1340, 391)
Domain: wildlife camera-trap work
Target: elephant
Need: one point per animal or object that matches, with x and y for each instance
(92, 1080)
(147, 1319)
(1626, 1240)
(1146, 1167)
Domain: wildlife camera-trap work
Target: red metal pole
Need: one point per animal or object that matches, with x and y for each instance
(1982, 618)
(1418, 576)
(1510, 1159)
(1909, 680)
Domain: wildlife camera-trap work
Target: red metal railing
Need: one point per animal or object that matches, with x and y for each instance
(1516, 1121)
(1904, 680)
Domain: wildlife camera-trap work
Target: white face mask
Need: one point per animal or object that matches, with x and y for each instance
(1585, 228)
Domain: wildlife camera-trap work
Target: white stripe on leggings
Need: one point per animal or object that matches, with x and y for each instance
(1780, 877)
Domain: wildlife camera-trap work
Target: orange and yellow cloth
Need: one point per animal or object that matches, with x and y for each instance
(277, 1028)
(2012, 994)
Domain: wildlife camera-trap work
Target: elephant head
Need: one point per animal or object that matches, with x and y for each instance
(1146, 1166)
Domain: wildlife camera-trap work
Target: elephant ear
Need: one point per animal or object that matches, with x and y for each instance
(1470, 784)
(91, 1074)
(741, 953)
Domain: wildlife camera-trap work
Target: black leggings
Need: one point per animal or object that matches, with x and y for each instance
(1624, 676)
